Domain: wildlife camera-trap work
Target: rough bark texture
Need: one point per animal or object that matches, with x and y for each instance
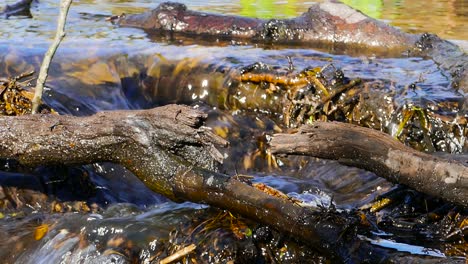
(174, 155)
(325, 22)
(152, 143)
(380, 153)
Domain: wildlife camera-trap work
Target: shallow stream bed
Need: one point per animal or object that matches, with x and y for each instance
(102, 67)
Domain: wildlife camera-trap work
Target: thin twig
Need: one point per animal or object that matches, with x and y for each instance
(179, 254)
(59, 35)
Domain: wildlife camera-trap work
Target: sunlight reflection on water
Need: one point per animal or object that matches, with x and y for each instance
(91, 80)
(86, 18)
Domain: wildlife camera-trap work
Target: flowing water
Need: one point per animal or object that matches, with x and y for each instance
(102, 67)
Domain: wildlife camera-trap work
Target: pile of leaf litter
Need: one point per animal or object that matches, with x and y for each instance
(16, 100)
(326, 94)
(16, 96)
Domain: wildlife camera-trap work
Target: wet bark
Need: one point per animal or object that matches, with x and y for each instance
(380, 153)
(173, 154)
(329, 232)
(154, 144)
(322, 23)
(329, 24)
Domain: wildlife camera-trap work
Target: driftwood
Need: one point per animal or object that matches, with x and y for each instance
(174, 155)
(380, 153)
(331, 24)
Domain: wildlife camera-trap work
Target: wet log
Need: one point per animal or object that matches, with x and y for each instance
(380, 153)
(328, 22)
(156, 141)
(332, 25)
(173, 154)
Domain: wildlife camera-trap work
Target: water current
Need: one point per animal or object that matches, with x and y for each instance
(102, 67)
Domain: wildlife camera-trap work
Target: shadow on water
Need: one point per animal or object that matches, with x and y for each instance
(100, 67)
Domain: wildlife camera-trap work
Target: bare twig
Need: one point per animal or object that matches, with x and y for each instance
(179, 254)
(59, 35)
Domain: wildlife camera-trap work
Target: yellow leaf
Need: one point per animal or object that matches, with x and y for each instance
(221, 131)
(41, 231)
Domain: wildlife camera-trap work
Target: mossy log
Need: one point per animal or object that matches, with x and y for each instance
(380, 153)
(173, 154)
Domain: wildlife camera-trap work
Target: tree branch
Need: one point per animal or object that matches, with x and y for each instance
(170, 151)
(380, 153)
(330, 22)
(59, 35)
(152, 143)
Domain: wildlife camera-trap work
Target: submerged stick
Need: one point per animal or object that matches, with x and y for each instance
(59, 35)
(380, 153)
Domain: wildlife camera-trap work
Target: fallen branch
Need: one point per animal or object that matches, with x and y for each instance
(380, 153)
(170, 151)
(328, 22)
(143, 141)
(59, 35)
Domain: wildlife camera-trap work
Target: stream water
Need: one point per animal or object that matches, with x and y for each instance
(101, 67)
